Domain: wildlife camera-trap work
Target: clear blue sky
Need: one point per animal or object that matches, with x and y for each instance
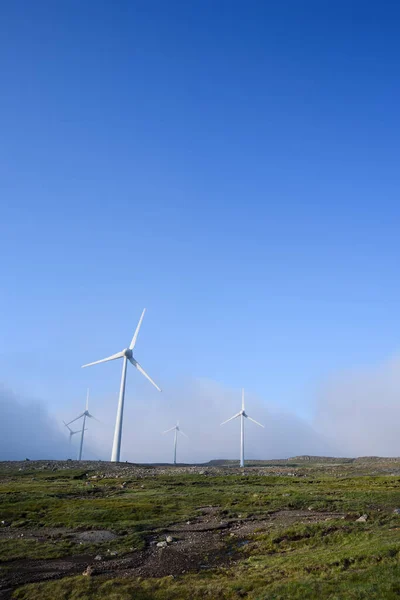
(232, 166)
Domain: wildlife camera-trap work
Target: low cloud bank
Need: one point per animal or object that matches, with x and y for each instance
(201, 406)
(28, 431)
(357, 413)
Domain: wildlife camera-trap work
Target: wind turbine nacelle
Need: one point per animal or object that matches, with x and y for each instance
(128, 353)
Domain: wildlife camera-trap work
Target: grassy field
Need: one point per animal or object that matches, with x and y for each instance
(288, 530)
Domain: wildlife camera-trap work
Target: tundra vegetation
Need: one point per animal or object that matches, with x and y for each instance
(275, 530)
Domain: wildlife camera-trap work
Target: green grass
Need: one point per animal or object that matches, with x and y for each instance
(377, 582)
(337, 558)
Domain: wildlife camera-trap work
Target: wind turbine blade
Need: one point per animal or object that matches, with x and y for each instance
(168, 430)
(76, 419)
(143, 372)
(231, 419)
(254, 421)
(92, 417)
(133, 342)
(242, 398)
(113, 357)
(67, 426)
(183, 433)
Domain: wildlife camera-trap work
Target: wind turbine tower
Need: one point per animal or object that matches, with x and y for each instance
(243, 415)
(126, 355)
(177, 430)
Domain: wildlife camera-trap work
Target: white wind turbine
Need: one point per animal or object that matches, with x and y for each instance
(125, 355)
(85, 414)
(242, 414)
(177, 430)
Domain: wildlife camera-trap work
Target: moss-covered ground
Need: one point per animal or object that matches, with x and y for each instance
(283, 553)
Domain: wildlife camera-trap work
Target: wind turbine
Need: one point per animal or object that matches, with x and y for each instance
(177, 430)
(242, 414)
(85, 414)
(125, 355)
(71, 433)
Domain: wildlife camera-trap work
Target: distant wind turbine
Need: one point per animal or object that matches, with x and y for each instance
(177, 430)
(85, 414)
(125, 355)
(71, 433)
(242, 414)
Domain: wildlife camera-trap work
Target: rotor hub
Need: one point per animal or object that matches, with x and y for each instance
(128, 353)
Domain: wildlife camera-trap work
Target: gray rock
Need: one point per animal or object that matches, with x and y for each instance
(169, 539)
(88, 571)
(162, 545)
(396, 511)
(113, 553)
(98, 557)
(362, 519)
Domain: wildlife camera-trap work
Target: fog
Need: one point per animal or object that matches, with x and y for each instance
(27, 430)
(357, 413)
(360, 410)
(201, 406)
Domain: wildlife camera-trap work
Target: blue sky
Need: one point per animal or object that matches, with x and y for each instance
(231, 166)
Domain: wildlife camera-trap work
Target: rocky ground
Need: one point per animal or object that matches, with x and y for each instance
(214, 536)
(203, 543)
